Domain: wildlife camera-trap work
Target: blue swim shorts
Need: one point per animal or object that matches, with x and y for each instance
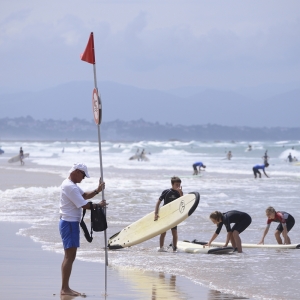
(69, 232)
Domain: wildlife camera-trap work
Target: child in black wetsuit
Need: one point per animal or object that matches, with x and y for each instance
(241, 219)
(168, 196)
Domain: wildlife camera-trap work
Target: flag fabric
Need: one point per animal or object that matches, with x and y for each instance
(89, 53)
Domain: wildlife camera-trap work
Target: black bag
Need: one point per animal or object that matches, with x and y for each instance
(98, 221)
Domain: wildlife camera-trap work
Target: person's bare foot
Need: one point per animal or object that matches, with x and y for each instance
(69, 292)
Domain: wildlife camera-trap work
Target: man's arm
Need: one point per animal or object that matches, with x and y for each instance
(265, 233)
(212, 239)
(156, 216)
(90, 195)
(229, 234)
(285, 233)
(265, 173)
(101, 203)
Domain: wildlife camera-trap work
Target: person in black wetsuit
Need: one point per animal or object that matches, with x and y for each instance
(21, 156)
(241, 219)
(168, 196)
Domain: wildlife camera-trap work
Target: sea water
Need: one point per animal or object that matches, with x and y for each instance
(133, 188)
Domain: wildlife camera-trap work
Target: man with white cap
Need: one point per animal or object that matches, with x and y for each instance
(72, 200)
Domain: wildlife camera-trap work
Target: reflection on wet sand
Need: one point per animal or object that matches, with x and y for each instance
(163, 285)
(216, 295)
(157, 286)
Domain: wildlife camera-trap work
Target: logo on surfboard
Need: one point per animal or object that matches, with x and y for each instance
(181, 206)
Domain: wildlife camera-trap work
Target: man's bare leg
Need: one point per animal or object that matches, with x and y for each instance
(66, 269)
(175, 238)
(162, 239)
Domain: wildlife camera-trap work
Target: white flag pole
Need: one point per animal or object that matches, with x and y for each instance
(101, 166)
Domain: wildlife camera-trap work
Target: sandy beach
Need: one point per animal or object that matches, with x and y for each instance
(29, 272)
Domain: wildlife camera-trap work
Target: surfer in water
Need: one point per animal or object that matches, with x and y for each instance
(21, 156)
(241, 219)
(286, 221)
(200, 165)
(168, 196)
(290, 158)
(266, 157)
(256, 169)
(229, 155)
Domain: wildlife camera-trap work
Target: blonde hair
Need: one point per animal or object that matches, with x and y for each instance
(216, 215)
(270, 210)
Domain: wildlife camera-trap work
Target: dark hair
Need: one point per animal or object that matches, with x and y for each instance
(175, 179)
(216, 215)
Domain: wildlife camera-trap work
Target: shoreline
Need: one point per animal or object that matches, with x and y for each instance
(29, 272)
(24, 261)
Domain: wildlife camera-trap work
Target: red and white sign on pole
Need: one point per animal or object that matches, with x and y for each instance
(96, 107)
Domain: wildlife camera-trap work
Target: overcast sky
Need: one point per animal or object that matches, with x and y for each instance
(160, 44)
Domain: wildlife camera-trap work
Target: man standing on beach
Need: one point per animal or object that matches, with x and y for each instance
(72, 200)
(168, 196)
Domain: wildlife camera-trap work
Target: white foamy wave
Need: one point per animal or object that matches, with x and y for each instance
(293, 152)
(173, 152)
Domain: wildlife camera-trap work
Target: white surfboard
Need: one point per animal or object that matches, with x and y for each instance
(17, 158)
(191, 247)
(170, 215)
(270, 246)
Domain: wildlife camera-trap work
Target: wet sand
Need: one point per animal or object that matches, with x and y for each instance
(28, 272)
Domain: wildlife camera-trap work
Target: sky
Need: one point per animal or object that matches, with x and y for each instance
(157, 44)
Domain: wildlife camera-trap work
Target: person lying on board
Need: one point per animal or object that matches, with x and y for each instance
(168, 196)
(200, 165)
(256, 169)
(286, 221)
(241, 219)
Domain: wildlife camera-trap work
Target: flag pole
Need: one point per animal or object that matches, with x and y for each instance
(101, 173)
(89, 57)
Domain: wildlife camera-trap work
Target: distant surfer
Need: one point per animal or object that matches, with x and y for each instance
(200, 165)
(1, 151)
(136, 156)
(295, 159)
(142, 155)
(286, 221)
(266, 157)
(249, 148)
(241, 219)
(168, 196)
(290, 158)
(256, 169)
(21, 156)
(229, 155)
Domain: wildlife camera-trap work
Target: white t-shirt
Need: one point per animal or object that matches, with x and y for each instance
(71, 201)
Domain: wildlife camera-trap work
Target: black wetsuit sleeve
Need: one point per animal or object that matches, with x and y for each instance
(220, 225)
(163, 195)
(227, 222)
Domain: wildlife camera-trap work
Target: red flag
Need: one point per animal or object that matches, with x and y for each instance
(89, 53)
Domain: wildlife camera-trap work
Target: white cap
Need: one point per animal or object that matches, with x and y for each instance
(82, 167)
